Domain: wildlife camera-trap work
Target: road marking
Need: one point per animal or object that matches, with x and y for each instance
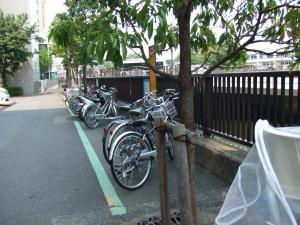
(115, 205)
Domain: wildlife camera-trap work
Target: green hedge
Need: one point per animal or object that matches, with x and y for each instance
(15, 90)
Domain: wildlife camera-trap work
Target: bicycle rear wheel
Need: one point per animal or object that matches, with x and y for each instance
(106, 138)
(128, 169)
(75, 105)
(90, 118)
(115, 132)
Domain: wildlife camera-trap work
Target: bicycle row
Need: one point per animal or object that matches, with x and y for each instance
(129, 138)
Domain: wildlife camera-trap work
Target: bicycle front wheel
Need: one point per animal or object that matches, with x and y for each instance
(128, 169)
(90, 118)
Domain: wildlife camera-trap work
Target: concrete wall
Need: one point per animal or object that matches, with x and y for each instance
(30, 71)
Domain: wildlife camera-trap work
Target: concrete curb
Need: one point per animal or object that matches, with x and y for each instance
(3, 107)
(220, 159)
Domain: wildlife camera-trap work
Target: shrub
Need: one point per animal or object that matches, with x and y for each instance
(15, 90)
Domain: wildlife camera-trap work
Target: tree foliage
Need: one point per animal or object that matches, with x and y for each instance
(16, 35)
(71, 40)
(122, 24)
(45, 60)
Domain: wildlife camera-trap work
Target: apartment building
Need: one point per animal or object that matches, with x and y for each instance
(30, 71)
(259, 61)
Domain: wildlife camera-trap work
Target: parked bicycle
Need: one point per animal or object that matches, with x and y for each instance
(117, 127)
(132, 153)
(95, 113)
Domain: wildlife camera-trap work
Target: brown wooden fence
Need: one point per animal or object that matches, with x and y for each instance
(230, 104)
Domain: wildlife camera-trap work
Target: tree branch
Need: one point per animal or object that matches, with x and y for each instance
(287, 5)
(277, 51)
(205, 61)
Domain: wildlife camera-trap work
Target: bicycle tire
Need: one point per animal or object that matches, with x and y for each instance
(89, 119)
(121, 170)
(105, 140)
(75, 105)
(115, 134)
(80, 114)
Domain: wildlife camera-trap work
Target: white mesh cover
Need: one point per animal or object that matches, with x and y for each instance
(266, 189)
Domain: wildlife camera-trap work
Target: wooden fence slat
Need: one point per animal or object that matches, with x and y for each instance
(224, 105)
(238, 108)
(282, 103)
(220, 103)
(215, 104)
(244, 108)
(290, 111)
(233, 107)
(268, 98)
(249, 122)
(298, 102)
(261, 98)
(228, 106)
(275, 102)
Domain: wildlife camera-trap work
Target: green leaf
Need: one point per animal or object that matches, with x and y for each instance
(150, 29)
(124, 51)
(125, 37)
(173, 39)
(100, 48)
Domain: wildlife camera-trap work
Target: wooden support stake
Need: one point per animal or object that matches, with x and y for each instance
(163, 173)
(182, 175)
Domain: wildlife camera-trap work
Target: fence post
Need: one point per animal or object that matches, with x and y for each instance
(207, 94)
(182, 172)
(163, 173)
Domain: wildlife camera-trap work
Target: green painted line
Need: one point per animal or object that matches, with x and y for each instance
(115, 205)
(70, 111)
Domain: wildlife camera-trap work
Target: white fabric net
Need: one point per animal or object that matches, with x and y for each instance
(266, 189)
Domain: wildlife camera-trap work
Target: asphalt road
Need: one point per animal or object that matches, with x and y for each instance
(48, 177)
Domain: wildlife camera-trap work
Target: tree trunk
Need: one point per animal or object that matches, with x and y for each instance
(187, 96)
(4, 79)
(67, 76)
(84, 79)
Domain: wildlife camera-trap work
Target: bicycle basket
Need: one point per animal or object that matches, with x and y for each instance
(158, 112)
(171, 109)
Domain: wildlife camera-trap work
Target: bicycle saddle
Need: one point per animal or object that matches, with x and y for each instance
(138, 111)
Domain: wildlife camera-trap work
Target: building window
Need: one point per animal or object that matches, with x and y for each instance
(252, 56)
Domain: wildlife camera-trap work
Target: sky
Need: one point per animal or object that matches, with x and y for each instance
(52, 8)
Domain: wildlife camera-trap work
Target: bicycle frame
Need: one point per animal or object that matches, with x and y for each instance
(106, 109)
